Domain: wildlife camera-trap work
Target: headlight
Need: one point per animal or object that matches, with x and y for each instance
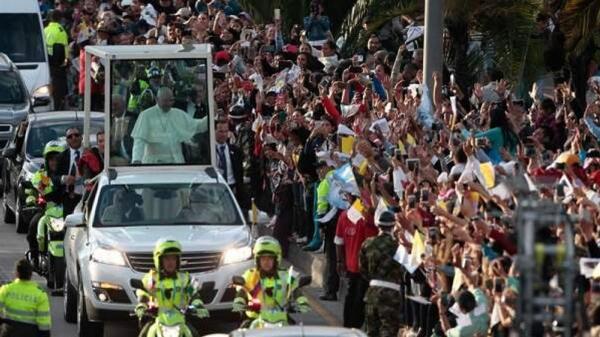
(57, 225)
(42, 91)
(235, 255)
(108, 256)
(170, 331)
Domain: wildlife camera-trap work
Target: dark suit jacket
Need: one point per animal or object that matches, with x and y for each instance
(64, 159)
(236, 155)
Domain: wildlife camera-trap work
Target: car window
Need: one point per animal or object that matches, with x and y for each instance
(166, 204)
(39, 135)
(11, 89)
(21, 37)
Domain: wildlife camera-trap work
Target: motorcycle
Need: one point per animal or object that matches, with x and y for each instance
(271, 317)
(50, 235)
(167, 323)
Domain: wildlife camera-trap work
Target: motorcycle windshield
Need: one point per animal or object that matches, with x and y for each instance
(170, 317)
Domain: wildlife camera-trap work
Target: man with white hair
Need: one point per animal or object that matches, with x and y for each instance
(160, 130)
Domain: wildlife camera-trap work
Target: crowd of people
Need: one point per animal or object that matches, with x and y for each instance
(408, 189)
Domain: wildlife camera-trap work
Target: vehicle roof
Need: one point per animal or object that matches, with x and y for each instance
(19, 6)
(299, 330)
(161, 175)
(57, 116)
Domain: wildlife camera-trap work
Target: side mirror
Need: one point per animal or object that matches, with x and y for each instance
(304, 281)
(136, 284)
(40, 101)
(9, 152)
(238, 280)
(74, 220)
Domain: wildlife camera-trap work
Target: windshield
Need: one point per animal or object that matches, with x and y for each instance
(11, 90)
(166, 204)
(21, 37)
(39, 135)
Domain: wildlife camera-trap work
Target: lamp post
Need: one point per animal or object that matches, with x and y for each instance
(434, 47)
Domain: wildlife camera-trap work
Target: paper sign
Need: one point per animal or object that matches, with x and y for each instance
(343, 130)
(589, 266)
(399, 177)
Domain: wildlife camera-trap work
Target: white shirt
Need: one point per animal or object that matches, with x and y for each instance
(79, 184)
(225, 148)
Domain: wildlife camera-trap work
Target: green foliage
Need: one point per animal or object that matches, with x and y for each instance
(580, 22)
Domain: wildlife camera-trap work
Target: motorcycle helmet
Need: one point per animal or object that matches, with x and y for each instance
(164, 248)
(153, 72)
(52, 148)
(267, 246)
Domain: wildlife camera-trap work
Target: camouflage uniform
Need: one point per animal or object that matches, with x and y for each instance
(382, 310)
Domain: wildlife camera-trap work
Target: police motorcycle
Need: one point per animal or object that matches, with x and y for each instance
(271, 317)
(50, 236)
(167, 323)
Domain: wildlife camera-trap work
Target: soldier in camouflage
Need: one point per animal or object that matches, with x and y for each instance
(377, 265)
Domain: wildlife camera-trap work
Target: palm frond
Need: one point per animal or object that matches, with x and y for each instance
(578, 21)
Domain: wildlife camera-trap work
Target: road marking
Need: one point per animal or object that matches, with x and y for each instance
(321, 310)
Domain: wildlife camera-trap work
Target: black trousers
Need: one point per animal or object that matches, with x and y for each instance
(354, 304)
(58, 76)
(332, 281)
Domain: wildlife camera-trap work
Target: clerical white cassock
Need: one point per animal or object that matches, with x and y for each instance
(157, 136)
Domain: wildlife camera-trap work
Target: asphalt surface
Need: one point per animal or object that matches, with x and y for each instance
(13, 247)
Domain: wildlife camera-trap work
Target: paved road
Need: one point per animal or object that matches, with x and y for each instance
(12, 248)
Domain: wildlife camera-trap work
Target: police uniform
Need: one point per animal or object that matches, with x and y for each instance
(57, 42)
(377, 265)
(24, 310)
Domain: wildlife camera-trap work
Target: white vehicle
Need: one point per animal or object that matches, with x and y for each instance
(295, 331)
(106, 247)
(111, 236)
(22, 40)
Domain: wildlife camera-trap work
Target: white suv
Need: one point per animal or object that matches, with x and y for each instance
(110, 239)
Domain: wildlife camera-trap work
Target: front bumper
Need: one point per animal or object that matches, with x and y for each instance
(109, 295)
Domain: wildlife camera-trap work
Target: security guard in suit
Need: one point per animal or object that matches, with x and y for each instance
(24, 306)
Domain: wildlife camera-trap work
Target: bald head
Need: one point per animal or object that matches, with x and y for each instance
(164, 99)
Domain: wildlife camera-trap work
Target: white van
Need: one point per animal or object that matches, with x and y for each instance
(22, 39)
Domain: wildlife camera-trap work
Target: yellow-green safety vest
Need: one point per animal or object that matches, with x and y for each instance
(55, 33)
(25, 302)
(158, 289)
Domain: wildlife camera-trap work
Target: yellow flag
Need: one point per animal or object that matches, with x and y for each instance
(410, 139)
(362, 168)
(355, 212)
(401, 147)
(347, 143)
(488, 174)
(418, 247)
(442, 204)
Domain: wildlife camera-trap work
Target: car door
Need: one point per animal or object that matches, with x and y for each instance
(12, 170)
(75, 238)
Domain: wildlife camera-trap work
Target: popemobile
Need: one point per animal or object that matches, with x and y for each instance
(159, 184)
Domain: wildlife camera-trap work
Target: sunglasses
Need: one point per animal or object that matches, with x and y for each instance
(73, 135)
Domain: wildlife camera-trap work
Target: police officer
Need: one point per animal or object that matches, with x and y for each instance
(50, 190)
(167, 286)
(24, 306)
(272, 286)
(377, 265)
(57, 42)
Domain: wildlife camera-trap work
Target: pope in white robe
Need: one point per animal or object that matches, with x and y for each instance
(159, 132)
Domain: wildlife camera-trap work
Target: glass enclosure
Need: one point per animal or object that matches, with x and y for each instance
(159, 112)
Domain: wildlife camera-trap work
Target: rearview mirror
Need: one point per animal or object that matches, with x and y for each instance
(9, 152)
(40, 101)
(304, 281)
(74, 220)
(238, 280)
